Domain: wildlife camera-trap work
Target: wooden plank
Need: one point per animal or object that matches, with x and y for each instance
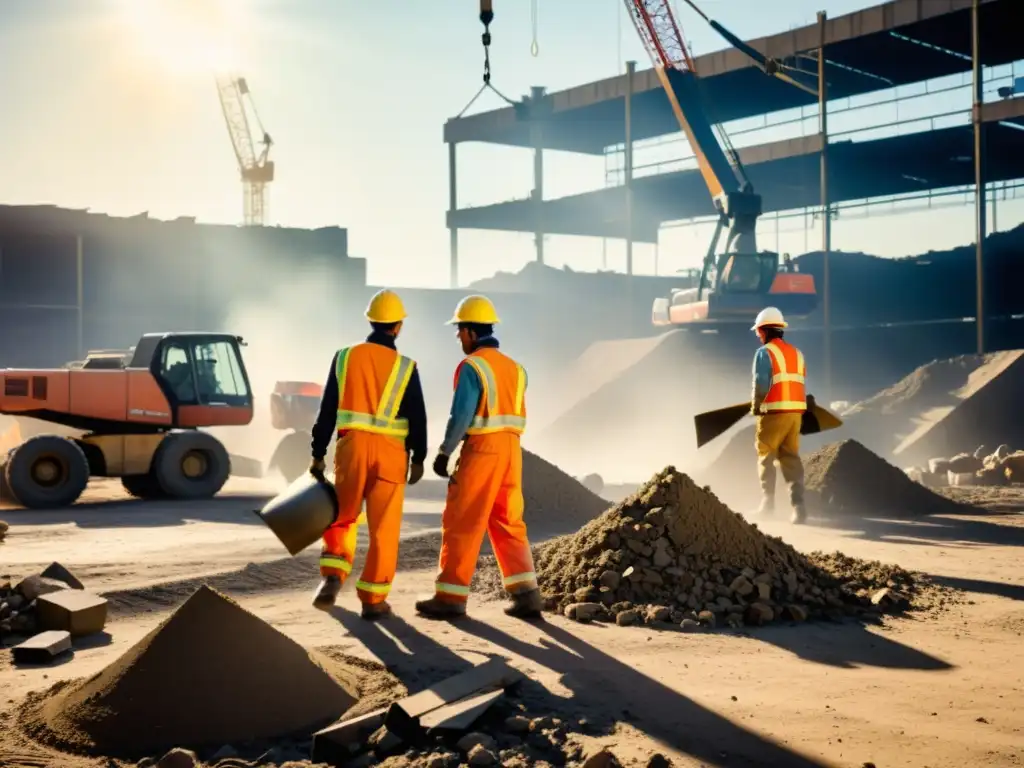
(332, 744)
(460, 715)
(403, 717)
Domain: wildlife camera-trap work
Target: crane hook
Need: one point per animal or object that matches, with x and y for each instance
(535, 45)
(486, 17)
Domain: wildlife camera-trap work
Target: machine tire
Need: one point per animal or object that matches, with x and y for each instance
(191, 465)
(143, 486)
(47, 471)
(291, 457)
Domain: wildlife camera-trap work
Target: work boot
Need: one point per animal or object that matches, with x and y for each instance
(525, 605)
(440, 609)
(373, 611)
(767, 508)
(327, 592)
(799, 514)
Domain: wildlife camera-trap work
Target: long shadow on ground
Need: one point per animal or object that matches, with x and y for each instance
(848, 645)
(664, 714)
(997, 588)
(928, 531)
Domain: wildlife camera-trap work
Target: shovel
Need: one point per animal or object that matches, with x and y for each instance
(711, 424)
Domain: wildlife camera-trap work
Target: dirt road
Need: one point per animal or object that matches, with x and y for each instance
(939, 691)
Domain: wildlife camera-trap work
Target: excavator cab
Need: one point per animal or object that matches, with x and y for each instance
(738, 287)
(198, 369)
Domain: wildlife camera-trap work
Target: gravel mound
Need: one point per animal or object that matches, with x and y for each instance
(212, 673)
(848, 479)
(555, 499)
(673, 552)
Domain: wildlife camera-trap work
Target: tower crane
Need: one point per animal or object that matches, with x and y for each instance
(735, 285)
(256, 169)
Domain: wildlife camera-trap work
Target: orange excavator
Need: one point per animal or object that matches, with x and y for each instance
(736, 284)
(141, 412)
(293, 406)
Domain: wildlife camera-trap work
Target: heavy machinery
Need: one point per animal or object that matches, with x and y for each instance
(140, 412)
(293, 406)
(256, 170)
(737, 283)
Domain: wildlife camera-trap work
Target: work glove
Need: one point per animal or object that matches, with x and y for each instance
(755, 407)
(317, 467)
(415, 473)
(441, 465)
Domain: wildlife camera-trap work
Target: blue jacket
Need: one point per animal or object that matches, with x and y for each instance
(465, 402)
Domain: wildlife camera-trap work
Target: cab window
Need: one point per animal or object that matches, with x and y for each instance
(176, 370)
(219, 373)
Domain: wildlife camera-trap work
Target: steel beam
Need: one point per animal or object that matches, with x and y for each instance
(453, 231)
(979, 173)
(826, 209)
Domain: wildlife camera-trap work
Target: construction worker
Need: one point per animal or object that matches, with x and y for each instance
(373, 400)
(778, 402)
(486, 491)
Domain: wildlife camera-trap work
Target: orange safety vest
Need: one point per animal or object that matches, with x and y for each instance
(502, 407)
(372, 380)
(787, 393)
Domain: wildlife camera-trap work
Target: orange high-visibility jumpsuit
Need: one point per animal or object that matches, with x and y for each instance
(486, 491)
(780, 415)
(370, 464)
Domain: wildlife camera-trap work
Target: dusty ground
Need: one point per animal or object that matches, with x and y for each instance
(933, 691)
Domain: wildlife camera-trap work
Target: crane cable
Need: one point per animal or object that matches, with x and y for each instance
(535, 45)
(486, 17)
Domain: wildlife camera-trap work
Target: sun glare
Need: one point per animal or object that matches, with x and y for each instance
(184, 36)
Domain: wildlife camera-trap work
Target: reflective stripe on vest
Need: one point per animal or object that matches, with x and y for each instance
(489, 421)
(787, 389)
(385, 421)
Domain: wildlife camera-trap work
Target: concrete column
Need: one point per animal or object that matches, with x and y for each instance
(826, 211)
(628, 180)
(979, 175)
(537, 138)
(453, 232)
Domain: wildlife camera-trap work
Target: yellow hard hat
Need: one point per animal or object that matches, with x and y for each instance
(385, 307)
(475, 309)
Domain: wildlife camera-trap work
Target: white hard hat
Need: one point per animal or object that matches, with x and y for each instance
(769, 316)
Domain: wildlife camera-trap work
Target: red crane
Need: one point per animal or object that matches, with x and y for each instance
(736, 284)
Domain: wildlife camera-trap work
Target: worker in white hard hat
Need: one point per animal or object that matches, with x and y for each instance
(373, 403)
(779, 401)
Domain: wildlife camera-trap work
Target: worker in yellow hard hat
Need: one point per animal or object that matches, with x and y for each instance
(486, 492)
(373, 402)
(779, 401)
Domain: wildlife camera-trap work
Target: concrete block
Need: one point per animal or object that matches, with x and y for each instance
(43, 648)
(73, 610)
(334, 743)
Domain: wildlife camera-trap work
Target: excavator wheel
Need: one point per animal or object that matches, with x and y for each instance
(191, 465)
(143, 486)
(47, 471)
(292, 455)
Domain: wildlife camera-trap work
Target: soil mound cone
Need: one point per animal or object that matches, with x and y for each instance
(555, 499)
(210, 674)
(848, 479)
(673, 552)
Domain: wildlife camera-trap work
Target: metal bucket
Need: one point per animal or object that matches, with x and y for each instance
(299, 515)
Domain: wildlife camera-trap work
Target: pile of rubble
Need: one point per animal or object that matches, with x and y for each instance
(673, 553)
(1003, 466)
(4, 527)
(556, 500)
(50, 609)
(845, 478)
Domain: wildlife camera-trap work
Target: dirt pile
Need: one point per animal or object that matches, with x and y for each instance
(555, 499)
(212, 673)
(673, 552)
(845, 478)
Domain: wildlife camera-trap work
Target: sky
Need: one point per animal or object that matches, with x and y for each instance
(110, 105)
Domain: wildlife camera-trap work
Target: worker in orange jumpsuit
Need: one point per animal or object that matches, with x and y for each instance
(373, 401)
(486, 492)
(779, 402)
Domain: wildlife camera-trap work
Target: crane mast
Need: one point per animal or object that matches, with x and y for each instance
(256, 169)
(737, 204)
